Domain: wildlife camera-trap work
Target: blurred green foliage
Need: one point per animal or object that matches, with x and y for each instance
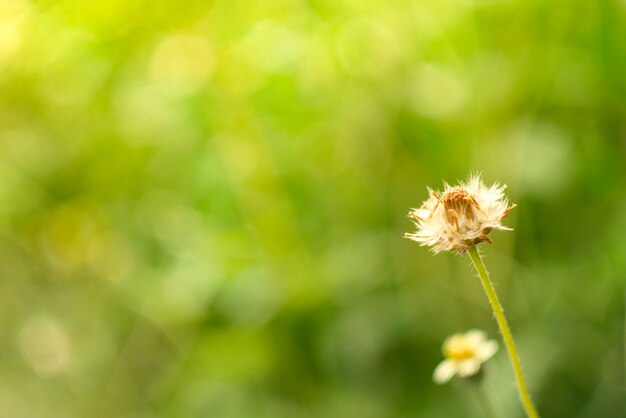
(202, 204)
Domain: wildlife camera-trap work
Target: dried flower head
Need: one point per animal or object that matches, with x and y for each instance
(461, 216)
(464, 355)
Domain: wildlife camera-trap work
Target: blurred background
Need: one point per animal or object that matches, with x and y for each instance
(202, 205)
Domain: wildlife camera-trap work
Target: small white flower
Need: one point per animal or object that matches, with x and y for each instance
(464, 354)
(461, 216)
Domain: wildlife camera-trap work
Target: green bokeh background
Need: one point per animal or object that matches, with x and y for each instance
(202, 205)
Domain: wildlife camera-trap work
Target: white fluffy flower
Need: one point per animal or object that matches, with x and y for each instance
(461, 216)
(464, 354)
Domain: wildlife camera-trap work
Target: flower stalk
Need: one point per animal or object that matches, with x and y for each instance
(504, 330)
(483, 398)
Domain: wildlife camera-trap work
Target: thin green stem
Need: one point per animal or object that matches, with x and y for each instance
(504, 330)
(483, 397)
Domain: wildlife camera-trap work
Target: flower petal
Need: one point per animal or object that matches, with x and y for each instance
(475, 337)
(468, 367)
(486, 350)
(444, 372)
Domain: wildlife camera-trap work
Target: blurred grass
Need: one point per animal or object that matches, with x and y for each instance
(202, 204)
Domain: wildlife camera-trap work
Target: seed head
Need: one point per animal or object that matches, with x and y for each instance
(461, 216)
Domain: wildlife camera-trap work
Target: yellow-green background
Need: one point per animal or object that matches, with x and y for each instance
(202, 205)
